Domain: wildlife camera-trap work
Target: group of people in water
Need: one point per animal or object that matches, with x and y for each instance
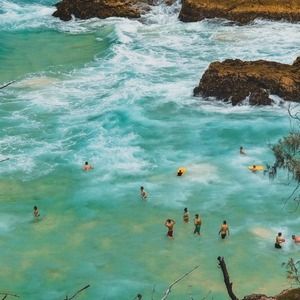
(169, 223)
(280, 240)
(224, 229)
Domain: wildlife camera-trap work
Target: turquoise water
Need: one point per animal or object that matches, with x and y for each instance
(118, 93)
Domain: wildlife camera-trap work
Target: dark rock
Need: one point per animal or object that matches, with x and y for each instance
(260, 97)
(239, 10)
(85, 9)
(291, 294)
(234, 80)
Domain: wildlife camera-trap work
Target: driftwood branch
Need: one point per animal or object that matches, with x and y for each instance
(226, 278)
(168, 290)
(7, 84)
(78, 292)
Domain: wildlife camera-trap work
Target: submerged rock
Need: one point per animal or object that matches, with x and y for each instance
(239, 10)
(235, 80)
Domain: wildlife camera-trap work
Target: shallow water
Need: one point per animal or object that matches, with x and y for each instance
(118, 93)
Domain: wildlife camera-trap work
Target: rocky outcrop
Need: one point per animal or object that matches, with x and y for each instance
(235, 80)
(293, 294)
(240, 10)
(86, 9)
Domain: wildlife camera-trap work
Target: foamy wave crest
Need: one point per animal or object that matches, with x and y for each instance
(19, 16)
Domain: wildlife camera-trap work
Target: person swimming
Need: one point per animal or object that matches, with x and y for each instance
(36, 213)
(180, 172)
(254, 169)
(87, 166)
(296, 239)
(242, 151)
(144, 194)
(170, 225)
(279, 240)
(224, 230)
(186, 215)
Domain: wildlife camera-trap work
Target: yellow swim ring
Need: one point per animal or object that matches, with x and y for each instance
(255, 168)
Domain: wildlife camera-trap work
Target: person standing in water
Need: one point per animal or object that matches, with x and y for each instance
(170, 225)
(186, 215)
(144, 194)
(87, 166)
(36, 213)
(197, 223)
(242, 151)
(224, 230)
(279, 240)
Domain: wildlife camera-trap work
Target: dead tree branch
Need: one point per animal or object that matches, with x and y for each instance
(168, 290)
(226, 278)
(7, 84)
(76, 294)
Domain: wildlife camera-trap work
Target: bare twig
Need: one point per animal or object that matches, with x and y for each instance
(7, 84)
(226, 278)
(153, 291)
(84, 288)
(206, 295)
(168, 290)
(291, 195)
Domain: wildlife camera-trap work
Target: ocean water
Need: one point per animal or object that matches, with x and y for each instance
(118, 93)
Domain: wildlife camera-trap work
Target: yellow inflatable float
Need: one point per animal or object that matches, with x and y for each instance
(181, 171)
(255, 168)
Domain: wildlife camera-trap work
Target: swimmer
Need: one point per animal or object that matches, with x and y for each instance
(170, 225)
(144, 194)
(296, 239)
(197, 223)
(242, 151)
(186, 215)
(36, 212)
(87, 166)
(279, 240)
(254, 169)
(224, 230)
(179, 173)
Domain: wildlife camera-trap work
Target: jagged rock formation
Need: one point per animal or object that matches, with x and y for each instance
(239, 10)
(293, 294)
(85, 9)
(235, 80)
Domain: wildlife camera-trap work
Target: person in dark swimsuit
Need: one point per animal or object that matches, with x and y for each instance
(279, 240)
(224, 230)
